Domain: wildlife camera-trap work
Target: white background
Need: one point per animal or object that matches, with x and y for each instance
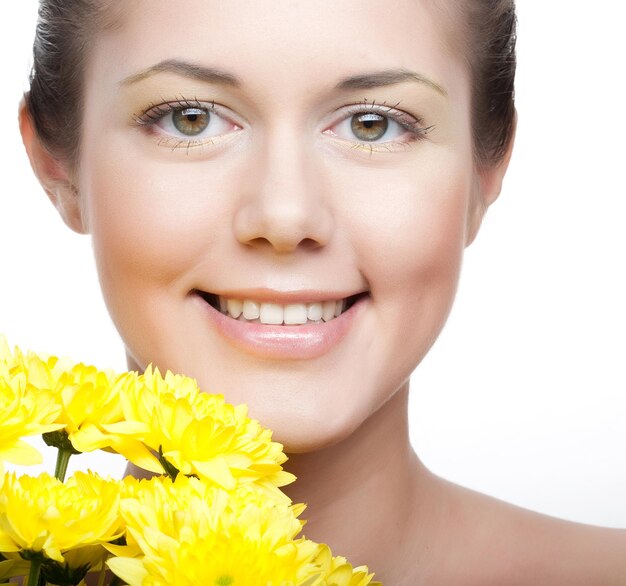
(524, 395)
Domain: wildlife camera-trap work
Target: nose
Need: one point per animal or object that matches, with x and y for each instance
(284, 208)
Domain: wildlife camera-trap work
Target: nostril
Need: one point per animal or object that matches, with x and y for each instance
(259, 242)
(283, 244)
(310, 243)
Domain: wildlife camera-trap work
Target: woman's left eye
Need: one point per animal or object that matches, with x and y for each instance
(187, 122)
(191, 121)
(369, 126)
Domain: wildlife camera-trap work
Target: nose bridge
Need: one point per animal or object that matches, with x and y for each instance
(283, 167)
(285, 206)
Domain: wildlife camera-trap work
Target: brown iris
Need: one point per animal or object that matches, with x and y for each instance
(369, 126)
(191, 121)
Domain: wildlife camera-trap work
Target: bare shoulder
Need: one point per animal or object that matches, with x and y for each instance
(505, 545)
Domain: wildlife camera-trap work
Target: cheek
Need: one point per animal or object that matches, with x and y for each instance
(420, 270)
(153, 224)
(410, 238)
(409, 227)
(150, 221)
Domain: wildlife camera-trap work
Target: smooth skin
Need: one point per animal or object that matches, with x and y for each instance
(279, 195)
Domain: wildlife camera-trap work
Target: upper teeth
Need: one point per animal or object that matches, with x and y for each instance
(276, 314)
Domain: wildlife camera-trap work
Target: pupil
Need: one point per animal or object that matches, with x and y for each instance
(190, 121)
(369, 127)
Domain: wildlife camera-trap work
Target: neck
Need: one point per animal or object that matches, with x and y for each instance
(369, 497)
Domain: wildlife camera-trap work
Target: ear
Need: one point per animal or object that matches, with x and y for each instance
(486, 189)
(52, 173)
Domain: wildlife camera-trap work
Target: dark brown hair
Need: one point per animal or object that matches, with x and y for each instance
(490, 37)
(66, 27)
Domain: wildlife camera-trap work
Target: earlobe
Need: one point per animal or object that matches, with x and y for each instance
(52, 174)
(486, 189)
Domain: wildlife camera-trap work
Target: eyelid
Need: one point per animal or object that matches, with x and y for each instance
(156, 111)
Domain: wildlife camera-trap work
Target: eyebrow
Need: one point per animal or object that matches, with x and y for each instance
(387, 77)
(213, 75)
(206, 74)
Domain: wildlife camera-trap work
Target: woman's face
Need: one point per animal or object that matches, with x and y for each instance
(289, 156)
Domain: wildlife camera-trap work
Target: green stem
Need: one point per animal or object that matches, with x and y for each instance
(63, 457)
(168, 468)
(33, 574)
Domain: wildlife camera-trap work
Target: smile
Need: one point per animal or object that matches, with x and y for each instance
(303, 326)
(272, 313)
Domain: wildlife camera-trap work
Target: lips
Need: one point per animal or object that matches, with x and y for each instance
(285, 341)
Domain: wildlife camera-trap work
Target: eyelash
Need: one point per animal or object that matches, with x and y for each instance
(414, 125)
(157, 111)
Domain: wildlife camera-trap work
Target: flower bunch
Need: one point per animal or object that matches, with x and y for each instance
(213, 514)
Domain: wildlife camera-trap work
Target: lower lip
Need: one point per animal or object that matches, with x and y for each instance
(284, 342)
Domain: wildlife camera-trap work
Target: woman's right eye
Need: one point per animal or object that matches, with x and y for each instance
(187, 123)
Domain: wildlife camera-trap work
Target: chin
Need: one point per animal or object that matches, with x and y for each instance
(302, 433)
(302, 405)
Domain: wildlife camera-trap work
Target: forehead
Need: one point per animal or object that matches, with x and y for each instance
(282, 43)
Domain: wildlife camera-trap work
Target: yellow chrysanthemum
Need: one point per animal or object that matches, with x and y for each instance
(40, 370)
(336, 571)
(87, 398)
(190, 534)
(199, 434)
(92, 415)
(138, 415)
(24, 411)
(219, 528)
(42, 514)
(187, 533)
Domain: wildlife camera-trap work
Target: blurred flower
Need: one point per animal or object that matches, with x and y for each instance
(12, 568)
(78, 562)
(44, 515)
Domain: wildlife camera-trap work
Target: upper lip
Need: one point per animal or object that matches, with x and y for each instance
(284, 297)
